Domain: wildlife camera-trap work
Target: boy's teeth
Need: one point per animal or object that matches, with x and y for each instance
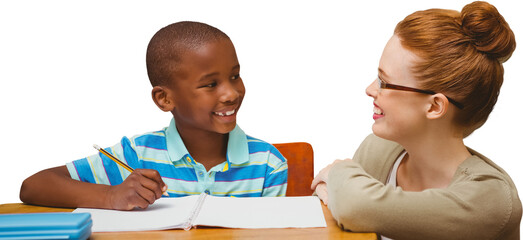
(228, 113)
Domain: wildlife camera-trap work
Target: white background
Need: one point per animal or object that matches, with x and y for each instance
(72, 74)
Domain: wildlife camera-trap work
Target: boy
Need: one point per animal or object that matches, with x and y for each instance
(195, 75)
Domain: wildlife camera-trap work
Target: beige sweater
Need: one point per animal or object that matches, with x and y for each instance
(480, 203)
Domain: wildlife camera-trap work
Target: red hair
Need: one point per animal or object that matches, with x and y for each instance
(461, 55)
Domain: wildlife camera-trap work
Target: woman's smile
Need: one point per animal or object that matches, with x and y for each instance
(378, 113)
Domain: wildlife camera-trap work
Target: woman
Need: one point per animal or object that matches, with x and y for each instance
(438, 80)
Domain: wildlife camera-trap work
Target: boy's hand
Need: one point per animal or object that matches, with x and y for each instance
(140, 189)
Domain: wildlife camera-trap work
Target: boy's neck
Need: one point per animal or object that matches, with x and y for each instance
(207, 148)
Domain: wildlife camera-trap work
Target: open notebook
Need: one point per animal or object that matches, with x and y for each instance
(206, 210)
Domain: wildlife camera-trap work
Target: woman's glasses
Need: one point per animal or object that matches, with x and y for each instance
(384, 85)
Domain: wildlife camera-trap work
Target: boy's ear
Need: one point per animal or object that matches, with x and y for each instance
(163, 98)
(438, 107)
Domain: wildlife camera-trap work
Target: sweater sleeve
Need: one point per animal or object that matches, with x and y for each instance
(477, 205)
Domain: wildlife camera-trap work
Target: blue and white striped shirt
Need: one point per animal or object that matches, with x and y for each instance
(254, 168)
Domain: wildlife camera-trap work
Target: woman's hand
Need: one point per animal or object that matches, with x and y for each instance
(321, 191)
(319, 183)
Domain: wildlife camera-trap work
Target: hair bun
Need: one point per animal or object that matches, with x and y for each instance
(489, 31)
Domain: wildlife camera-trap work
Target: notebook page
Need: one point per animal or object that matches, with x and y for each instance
(165, 213)
(261, 212)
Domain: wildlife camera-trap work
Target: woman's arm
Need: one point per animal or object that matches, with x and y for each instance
(472, 207)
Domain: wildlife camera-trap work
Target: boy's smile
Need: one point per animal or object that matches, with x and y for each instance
(207, 88)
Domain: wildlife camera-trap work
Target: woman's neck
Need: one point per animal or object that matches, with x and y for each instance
(431, 161)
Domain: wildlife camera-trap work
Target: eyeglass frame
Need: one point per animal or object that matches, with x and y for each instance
(384, 85)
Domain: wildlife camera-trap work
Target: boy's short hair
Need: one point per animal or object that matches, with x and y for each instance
(169, 44)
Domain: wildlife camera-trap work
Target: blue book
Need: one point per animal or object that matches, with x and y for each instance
(60, 225)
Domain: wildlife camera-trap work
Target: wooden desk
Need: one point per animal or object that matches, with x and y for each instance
(332, 231)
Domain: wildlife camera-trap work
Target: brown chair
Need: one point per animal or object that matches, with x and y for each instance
(300, 161)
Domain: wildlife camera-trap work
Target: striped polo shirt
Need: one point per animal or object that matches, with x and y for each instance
(254, 168)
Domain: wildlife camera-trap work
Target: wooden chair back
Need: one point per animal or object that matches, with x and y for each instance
(300, 161)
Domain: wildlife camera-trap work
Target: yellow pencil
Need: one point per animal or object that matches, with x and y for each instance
(116, 160)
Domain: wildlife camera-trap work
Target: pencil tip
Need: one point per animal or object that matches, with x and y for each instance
(96, 146)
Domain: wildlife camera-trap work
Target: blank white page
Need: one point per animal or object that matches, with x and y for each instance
(261, 212)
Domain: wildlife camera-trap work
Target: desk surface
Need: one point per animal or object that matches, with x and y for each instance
(331, 231)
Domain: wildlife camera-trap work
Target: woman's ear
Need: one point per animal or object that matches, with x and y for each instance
(439, 104)
(163, 98)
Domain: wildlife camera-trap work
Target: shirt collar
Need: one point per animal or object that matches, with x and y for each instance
(175, 146)
(237, 147)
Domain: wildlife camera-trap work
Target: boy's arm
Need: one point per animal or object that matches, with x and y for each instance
(55, 187)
